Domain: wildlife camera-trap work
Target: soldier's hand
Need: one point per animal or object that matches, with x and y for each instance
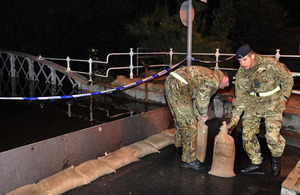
(231, 126)
(284, 98)
(204, 118)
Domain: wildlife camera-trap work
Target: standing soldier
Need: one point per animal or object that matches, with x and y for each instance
(188, 91)
(262, 88)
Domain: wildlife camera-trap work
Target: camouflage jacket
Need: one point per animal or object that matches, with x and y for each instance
(265, 75)
(202, 84)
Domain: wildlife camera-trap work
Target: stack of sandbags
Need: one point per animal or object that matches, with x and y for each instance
(119, 158)
(122, 81)
(93, 169)
(90, 170)
(142, 148)
(62, 181)
(223, 154)
(157, 88)
(153, 143)
(160, 140)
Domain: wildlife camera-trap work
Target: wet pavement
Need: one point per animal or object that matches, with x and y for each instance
(160, 173)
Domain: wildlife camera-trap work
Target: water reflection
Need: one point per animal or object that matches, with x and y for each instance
(24, 122)
(17, 87)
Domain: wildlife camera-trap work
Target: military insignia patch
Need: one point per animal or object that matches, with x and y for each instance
(256, 83)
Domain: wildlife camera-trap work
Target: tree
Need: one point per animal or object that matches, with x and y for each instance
(160, 30)
(223, 23)
(259, 23)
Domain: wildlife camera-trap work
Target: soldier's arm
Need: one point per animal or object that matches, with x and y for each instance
(239, 102)
(202, 102)
(286, 80)
(201, 99)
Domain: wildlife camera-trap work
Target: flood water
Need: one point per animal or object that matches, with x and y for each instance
(24, 122)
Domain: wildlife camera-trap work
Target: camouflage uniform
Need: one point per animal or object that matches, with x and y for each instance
(265, 75)
(188, 102)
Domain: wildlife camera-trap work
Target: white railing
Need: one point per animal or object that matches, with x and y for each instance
(138, 55)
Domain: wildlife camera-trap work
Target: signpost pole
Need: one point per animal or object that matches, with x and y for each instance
(189, 32)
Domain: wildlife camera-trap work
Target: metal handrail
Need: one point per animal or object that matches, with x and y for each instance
(138, 54)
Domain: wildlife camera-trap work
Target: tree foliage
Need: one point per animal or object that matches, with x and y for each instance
(224, 24)
(260, 23)
(161, 30)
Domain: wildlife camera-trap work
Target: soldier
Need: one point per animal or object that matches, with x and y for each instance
(188, 91)
(262, 88)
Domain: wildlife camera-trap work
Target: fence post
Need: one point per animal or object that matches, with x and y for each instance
(217, 59)
(53, 76)
(30, 69)
(277, 55)
(12, 65)
(146, 83)
(171, 57)
(131, 63)
(137, 60)
(90, 70)
(68, 64)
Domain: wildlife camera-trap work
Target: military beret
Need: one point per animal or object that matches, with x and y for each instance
(242, 51)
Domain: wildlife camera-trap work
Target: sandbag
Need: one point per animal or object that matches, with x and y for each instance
(119, 158)
(160, 140)
(170, 132)
(223, 154)
(62, 181)
(202, 130)
(29, 189)
(142, 148)
(93, 169)
(157, 88)
(122, 81)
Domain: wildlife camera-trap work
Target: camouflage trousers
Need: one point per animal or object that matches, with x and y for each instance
(251, 127)
(181, 107)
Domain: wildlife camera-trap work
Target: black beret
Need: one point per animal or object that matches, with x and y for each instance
(242, 51)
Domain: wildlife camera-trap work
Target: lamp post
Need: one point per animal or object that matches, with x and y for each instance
(187, 17)
(189, 32)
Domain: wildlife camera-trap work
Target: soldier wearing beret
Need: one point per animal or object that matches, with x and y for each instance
(188, 91)
(262, 88)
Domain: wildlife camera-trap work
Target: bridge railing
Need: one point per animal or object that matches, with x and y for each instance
(134, 62)
(25, 66)
(140, 55)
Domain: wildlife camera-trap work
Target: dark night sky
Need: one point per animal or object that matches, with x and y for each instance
(60, 28)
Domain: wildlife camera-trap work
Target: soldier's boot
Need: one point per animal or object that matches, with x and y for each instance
(276, 166)
(253, 169)
(196, 165)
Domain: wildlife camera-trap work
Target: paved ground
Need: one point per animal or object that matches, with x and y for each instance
(161, 174)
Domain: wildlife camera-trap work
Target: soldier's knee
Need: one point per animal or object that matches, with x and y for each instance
(186, 123)
(190, 122)
(272, 136)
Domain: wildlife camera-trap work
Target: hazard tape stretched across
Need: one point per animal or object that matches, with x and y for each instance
(210, 62)
(96, 93)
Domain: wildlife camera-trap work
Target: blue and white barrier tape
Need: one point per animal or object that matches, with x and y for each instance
(95, 93)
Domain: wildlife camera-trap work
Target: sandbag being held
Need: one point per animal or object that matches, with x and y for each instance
(202, 130)
(224, 154)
